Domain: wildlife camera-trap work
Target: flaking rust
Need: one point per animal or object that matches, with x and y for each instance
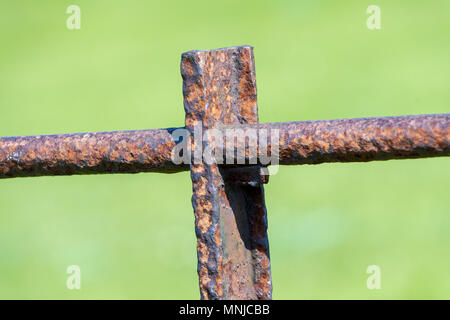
(230, 218)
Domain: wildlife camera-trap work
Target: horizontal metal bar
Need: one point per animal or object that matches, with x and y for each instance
(88, 153)
(304, 142)
(365, 139)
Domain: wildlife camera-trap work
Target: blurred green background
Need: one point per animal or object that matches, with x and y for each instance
(133, 235)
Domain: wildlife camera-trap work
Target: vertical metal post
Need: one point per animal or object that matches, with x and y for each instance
(219, 87)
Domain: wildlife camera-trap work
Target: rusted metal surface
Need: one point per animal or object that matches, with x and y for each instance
(230, 218)
(87, 153)
(230, 215)
(366, 139)
(303, 142)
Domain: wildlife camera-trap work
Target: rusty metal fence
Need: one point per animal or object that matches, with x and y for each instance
(219, 91)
